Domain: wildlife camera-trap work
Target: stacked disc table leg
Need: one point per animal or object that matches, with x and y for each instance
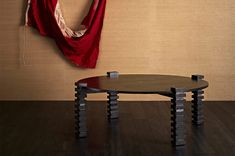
(112, 105)
(177, 116)
(197, 104)
(80, 111)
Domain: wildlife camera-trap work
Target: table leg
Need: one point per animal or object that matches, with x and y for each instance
(177, 117)
(80, 111)
(197, 107)
(197, 104)
(112, 105)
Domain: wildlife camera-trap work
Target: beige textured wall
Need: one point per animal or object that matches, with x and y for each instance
(154, 36)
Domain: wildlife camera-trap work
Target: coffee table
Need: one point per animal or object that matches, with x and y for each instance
(171, 86)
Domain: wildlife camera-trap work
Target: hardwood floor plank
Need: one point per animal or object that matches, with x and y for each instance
(143, 128)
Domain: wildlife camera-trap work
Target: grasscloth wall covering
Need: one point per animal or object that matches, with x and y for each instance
(181, 37)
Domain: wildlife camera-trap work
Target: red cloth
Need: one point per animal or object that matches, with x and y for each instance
(83, 50)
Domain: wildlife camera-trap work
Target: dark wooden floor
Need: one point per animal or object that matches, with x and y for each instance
(47, 129)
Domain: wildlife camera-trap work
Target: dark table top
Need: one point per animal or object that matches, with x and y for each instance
(143, 84)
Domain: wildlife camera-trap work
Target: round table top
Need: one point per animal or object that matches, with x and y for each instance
(143, 83)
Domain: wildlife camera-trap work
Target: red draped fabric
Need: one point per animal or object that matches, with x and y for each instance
(81, 46)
